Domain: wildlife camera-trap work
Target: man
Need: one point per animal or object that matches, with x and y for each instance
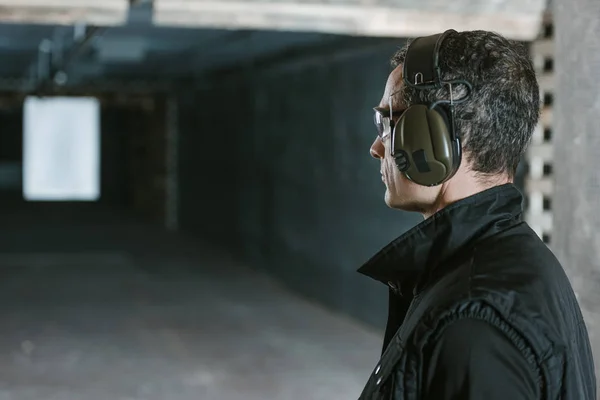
(479, 307)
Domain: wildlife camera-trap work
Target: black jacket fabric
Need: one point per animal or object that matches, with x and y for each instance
(479, 309)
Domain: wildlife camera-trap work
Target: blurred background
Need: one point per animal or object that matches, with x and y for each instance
(186, 189)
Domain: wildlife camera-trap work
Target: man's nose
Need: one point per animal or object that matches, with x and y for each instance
(377, 149)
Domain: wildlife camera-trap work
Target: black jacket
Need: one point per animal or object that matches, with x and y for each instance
(479, 309)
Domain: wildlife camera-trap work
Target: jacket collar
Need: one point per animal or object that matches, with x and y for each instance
(445, 234)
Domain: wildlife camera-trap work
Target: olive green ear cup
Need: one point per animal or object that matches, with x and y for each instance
(422, 136)
(425, 143)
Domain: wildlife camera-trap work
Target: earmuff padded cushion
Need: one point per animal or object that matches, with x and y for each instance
(454, 141)
(440, 137)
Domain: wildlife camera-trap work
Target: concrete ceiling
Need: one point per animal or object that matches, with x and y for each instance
(132, 44)
(517, 19)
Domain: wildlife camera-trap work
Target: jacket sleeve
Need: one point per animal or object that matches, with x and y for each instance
(473, 360)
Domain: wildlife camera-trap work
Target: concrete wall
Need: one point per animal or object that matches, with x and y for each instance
(133, 161)
(11, 150)
(208, 166)
(576, 236)
(114, 162)
(274, 162)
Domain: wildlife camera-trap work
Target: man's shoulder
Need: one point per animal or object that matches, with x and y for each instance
(512, 272)
(512, 263)
(517, 245)
(512, 283)
(516, 265)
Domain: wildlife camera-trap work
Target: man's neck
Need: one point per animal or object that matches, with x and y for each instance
(461, 186)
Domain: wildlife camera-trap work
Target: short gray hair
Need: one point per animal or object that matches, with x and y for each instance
(497, 121)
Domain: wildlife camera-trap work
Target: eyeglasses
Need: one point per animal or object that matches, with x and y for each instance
(385, 119)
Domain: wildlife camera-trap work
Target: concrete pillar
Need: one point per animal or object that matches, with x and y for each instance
(576, 237)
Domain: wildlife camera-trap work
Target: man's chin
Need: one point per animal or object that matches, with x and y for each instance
(393, 201)
(388, 200)
(398, 203)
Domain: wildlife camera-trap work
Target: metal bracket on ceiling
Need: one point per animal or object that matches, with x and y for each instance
(44, 59)
(79, 30)
(54, 57)
(140, 12)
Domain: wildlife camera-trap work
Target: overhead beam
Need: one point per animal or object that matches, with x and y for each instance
(65, 12)
(508, 17)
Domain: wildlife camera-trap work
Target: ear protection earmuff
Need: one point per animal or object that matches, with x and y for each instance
(425, 143)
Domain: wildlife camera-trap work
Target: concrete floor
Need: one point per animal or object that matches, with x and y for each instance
(124, 321)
